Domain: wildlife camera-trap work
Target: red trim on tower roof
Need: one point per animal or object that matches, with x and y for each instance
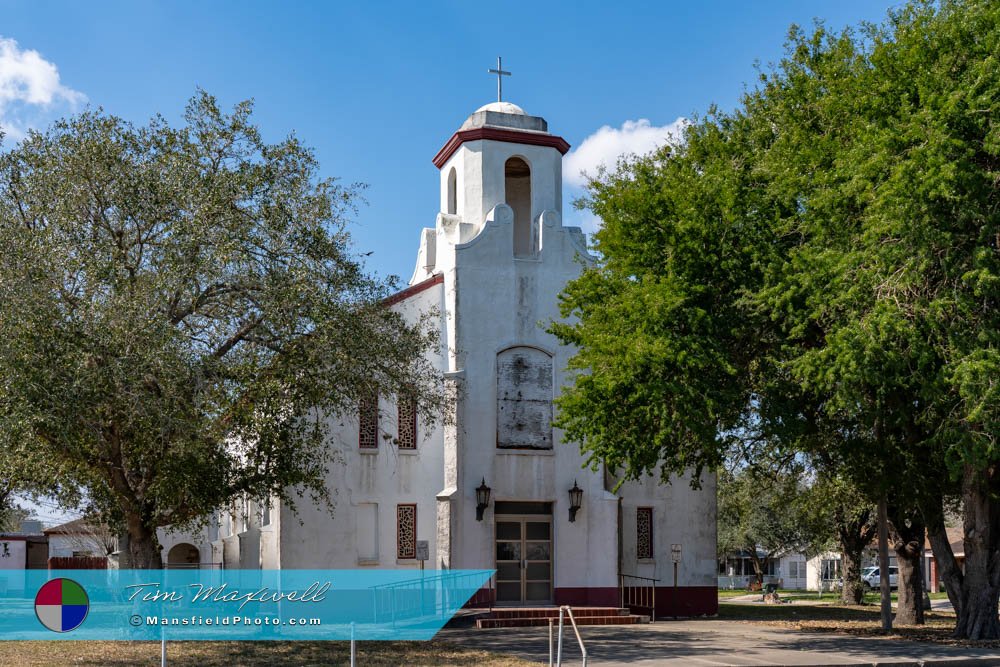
(497, 134)
(405, 294)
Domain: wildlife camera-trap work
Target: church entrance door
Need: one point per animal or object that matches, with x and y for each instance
(524, 559)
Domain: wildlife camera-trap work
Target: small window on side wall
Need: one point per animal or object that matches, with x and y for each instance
(644, 533)
(406, 531)
(368, 422)
(406, 437)
(452, 192)
(366, 531)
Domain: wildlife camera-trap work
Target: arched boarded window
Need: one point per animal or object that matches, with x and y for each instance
(517, 190)
(524, 399)
(452, 192)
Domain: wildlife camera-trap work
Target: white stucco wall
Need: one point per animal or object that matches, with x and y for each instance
(385, 476)
(681, 515)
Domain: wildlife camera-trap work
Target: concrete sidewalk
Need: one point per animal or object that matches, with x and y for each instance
(716, 643)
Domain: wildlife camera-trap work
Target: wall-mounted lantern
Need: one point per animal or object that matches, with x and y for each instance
(575, 500)
(482, 499)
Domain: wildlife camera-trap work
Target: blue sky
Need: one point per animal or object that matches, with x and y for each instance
(377, 88)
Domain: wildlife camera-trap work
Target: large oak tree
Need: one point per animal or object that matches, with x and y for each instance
(824, 260)
(181, 311)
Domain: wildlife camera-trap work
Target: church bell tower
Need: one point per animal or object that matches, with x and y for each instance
(502, 165)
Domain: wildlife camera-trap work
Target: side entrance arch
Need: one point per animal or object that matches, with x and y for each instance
(183, 554)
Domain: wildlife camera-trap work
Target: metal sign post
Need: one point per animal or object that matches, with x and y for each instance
(675, 556)
(423, 553)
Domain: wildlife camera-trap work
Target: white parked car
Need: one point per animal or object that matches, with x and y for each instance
(871, 578)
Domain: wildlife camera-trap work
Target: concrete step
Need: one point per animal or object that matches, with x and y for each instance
(553, 612)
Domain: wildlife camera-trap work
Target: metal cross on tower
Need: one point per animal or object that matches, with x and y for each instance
(499, 71)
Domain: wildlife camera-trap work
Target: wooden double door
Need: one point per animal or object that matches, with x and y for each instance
(524, 559)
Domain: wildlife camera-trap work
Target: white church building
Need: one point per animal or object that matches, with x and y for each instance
(492, 266)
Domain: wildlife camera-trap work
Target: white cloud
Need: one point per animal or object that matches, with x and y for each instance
(604, 147)
(30, 89)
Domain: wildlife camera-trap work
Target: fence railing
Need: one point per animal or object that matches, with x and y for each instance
(428, 595)
(482, 598)
(638, 593)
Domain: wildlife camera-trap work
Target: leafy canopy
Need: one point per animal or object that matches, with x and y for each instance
(181, 312)
(818, 266)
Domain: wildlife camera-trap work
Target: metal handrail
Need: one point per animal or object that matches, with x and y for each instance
(406, 599)
(579, 640)
(638, 596)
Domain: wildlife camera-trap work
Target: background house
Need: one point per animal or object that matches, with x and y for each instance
(26, 549)
(793, 571)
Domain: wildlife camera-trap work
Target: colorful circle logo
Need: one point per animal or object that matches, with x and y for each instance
(61, 605)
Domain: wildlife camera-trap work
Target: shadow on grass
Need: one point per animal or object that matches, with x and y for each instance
(796, 612)
(248, 654)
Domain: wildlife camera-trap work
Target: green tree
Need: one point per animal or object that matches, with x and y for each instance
(182, 313)
(824, 260)
(761, 515)
(837, 508)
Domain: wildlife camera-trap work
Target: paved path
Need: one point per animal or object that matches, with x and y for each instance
(716, 643)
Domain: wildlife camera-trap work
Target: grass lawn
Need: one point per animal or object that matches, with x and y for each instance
(735, 593)
(799, 594)
(248, 654)
(862, 620)
(790, 594)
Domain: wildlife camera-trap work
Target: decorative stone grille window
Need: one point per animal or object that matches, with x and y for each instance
(368, 422)
(644, 533)
(407, 417)
(406, 531)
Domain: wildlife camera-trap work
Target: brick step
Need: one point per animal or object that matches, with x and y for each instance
(522, 622)
(553, 612)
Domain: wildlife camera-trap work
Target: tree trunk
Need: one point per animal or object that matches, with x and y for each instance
(854, 589)
(758, 568)
(143, 546)
(854, 535)
(981, 583)
(944, 557)
(908, 542)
